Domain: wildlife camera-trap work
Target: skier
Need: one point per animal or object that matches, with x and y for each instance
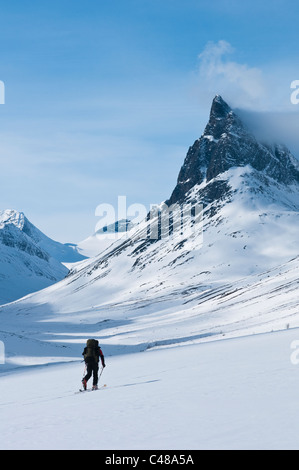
(92, 354)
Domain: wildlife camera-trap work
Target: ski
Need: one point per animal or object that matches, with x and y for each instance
(92, 390)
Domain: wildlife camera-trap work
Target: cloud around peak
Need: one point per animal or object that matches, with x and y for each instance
(239, 83)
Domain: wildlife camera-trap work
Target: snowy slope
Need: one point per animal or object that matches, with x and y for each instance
(37, 332)
(103, 238)
(230, 394)
(93, 245)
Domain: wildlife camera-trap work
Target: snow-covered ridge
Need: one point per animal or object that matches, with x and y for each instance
(12, 217)
(29, 260)
(63, 253)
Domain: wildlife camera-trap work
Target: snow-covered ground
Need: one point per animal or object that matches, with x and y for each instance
(97, 243)
(237, 393)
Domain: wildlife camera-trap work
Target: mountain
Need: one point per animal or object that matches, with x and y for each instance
(63, 253)
(219, 257)
(29, 260)
(102, 238)
(226, 144)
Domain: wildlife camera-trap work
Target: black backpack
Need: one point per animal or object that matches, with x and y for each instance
(92, 349)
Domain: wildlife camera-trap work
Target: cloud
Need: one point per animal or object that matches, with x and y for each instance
(240, 84)
(274, 127)
(261, 96)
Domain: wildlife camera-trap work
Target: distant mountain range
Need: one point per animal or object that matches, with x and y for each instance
(29, 260)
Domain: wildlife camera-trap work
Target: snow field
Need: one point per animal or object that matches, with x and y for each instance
(232, 394)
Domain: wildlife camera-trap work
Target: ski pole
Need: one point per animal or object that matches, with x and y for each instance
(101, 373)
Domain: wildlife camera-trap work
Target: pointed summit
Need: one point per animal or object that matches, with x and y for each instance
(219, 108)
(226, 143)
(222, 118)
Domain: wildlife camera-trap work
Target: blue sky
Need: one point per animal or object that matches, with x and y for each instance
(103, 98)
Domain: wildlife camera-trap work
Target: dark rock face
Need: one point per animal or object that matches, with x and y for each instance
(225, 144)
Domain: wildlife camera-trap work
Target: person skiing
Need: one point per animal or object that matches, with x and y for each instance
(92, 354)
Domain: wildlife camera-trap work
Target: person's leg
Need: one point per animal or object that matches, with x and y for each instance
(95, 373)
(89, 371)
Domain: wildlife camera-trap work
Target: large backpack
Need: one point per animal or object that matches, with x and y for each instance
(91, 350)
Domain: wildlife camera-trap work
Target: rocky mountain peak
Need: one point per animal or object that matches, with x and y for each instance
(227, 143)
(222, 120)
(219, 109)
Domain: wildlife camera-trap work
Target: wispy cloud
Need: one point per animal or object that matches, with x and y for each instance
(238, 82)
(263, 92)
